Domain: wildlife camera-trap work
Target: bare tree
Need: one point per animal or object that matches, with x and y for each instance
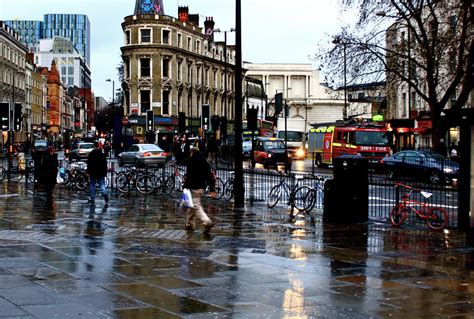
(427, 45)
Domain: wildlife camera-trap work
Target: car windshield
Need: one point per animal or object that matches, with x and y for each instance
(291, 136)
(274, 145)
(41, 143)
(150, 147)
(371, 138)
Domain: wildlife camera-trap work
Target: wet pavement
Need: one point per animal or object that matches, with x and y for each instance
(133, 259)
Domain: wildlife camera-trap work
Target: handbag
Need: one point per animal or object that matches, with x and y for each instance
(186, 199)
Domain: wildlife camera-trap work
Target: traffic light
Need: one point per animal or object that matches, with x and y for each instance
(215, 123)
(150, 120)
(5, 116)
(181, 122)
(252, 119)
(18, 116)
(278, 103)
(205, 117)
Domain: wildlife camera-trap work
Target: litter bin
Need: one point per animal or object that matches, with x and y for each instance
(346, 197)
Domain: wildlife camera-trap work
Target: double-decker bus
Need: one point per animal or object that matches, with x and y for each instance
(329, 141)
(264, 129)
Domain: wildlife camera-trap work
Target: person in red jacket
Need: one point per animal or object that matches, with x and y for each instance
(198, 172)
(97, 170)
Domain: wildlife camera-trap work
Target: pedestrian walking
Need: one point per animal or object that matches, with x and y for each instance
(97, 171)
(49, 171)
(198, 172)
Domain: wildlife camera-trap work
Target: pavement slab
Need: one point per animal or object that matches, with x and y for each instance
(133, 258)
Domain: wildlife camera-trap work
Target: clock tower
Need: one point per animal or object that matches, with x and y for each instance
(149, 7)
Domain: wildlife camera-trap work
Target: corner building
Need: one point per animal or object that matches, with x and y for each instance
(172, 66)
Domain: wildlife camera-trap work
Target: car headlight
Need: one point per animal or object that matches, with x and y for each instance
(448, 170)
(300, 152)
(269, 155)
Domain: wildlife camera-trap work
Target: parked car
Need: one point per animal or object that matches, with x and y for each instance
(270, 151)
(81, 150)
(424, 164)
(143, 155)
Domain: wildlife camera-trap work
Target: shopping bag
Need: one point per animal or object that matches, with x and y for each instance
(186, 199)
(59, 178)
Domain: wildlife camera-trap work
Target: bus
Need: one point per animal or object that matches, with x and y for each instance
(329, 141)
(264, 129)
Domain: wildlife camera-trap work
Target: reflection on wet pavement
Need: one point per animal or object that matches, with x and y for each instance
(132, 258)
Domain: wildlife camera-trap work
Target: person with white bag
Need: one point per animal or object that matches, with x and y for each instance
(198, 172)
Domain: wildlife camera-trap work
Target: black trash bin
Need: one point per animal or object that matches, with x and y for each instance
(346, 197)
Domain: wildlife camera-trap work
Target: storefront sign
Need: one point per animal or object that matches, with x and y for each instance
(134, 107)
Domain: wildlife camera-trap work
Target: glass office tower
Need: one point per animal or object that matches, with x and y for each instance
(75, 27)
(30, 32)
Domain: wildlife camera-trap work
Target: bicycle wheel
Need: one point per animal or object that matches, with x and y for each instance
(3, 173)
(122, 182)
(305, 198)
(81, 181)
(274, 196)
(229, 189)
(167, 186)
(15, 175)
(398, 214)
(219, 188)
(145, 183)
(438, 218)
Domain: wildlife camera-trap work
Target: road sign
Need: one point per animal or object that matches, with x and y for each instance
(5, 116)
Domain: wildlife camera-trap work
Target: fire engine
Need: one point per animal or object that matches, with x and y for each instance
(329, 141)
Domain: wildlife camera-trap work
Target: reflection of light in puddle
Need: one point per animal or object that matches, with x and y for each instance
(294, 301)
(297, 253)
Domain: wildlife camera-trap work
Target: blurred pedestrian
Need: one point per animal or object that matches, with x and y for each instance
(97, 171)
(49, 171)
(198, 172)
(441, 148)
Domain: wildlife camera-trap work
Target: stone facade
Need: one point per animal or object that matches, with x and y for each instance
(172, 66)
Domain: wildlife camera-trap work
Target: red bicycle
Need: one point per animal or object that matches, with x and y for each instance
(436, 218)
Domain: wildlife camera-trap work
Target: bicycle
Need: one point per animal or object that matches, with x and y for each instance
(174, 181)
(436, 218)
(16, 173)
(228, 192)
(144, 182)
(301, 197)
(319, 192)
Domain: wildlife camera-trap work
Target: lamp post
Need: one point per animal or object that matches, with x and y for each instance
(113, 90)
(239, 189)
(338, 41)
(201, 63)
(225, 67)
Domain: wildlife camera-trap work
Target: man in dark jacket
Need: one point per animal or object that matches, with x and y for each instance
(198, 172)
(49, 171)
(97, 170)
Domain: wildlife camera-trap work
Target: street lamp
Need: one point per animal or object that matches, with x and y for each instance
(225, 67)
(338, 41)
(201, 64)
(113, 90)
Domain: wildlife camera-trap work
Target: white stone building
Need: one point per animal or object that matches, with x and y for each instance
(300, 84)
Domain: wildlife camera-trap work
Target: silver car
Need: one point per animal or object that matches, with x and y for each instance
(82, 150)
(143, 155)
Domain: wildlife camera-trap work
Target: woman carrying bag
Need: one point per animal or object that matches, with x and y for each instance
(198, 172)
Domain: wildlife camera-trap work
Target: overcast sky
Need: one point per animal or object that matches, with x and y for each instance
(273, 31)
